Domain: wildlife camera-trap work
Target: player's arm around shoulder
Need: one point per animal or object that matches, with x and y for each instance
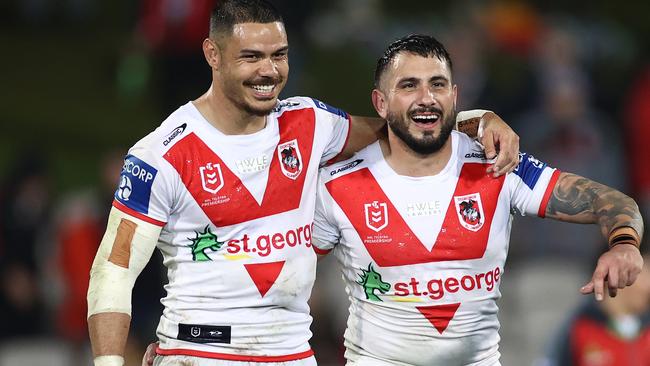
(124, 251)
(496, 136)
(580, 200)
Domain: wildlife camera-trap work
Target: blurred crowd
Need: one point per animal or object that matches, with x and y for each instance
(573, 83)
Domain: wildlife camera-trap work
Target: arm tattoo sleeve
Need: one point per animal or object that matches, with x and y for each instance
(581, 200)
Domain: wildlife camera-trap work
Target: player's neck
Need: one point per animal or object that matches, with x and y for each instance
(225, 116)
(404, 161)
(617, 307)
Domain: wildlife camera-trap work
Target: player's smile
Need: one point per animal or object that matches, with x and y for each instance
(426, 118)
(265, 89)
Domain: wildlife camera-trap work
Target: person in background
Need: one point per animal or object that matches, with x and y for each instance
(614, 332)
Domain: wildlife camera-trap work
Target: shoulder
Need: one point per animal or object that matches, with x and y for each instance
(363, 159)
(318, 106)
(173, 129)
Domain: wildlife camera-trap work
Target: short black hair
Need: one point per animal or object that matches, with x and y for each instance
(227, 13)
(419, 44)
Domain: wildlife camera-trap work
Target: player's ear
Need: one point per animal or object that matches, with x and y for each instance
(212, 53)
(379, 102)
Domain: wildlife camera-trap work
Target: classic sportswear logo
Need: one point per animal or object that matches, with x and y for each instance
(475, 155)
(203, 241)
(347, 166)
(175, 132)
(285, 104)
(371, 281)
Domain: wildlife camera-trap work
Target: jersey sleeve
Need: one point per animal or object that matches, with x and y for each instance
(334, 126)
(326, 234)
(144, 190)
(531, 185)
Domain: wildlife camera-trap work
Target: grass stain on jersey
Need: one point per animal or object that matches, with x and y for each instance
(203, 241)
(371, 282)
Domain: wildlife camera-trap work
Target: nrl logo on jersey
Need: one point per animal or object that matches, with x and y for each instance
(290, 159)
(470, 211)
(211, 177)
(376, 215)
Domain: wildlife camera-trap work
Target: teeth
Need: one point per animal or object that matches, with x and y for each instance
(431, 117)
(263, 88)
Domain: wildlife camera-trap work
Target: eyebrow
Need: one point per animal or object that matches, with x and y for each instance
(408, 79)
(438, 78)
(260, 53)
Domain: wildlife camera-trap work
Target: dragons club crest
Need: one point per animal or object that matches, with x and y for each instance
(290, 159)
(470, 211)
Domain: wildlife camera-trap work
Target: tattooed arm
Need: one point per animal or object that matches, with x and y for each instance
(580, 200)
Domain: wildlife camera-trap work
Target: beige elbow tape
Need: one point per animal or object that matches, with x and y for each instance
(467, 116)
(109, 361)
(124, 251)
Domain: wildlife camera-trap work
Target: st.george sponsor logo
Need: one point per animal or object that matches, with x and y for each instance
(347, 166)
(437, 288)
(175, 132)
(264, 245)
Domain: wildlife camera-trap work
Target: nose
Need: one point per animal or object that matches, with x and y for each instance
(426, 96)
(268, 68)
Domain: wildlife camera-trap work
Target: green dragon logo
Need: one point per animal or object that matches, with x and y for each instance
(371, 281)
(203, 241)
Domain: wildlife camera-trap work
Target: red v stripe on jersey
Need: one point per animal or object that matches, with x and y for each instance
(439, 315)
(264, 274)
(238, 205)
(352, 191)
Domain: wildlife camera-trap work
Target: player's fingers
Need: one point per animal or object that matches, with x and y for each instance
(588, 288)
(631, 278)
(489, 144)
(149, 354)
(623, 279)
(510, 167)
(599, 283)
(612, 291)
(612, 279)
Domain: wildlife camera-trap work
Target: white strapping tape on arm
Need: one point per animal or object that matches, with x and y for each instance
(111, 285)
(109, 361)
(473, 113)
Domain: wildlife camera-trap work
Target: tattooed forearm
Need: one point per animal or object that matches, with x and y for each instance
(580, 200)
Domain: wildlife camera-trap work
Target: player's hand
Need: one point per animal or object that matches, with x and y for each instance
(616, 268)
(149, 354)
(499, 137)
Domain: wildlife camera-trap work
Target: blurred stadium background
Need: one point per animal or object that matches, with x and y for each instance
(83, 80)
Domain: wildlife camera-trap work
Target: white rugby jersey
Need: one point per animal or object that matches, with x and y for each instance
(236, 213)
(422, 258)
